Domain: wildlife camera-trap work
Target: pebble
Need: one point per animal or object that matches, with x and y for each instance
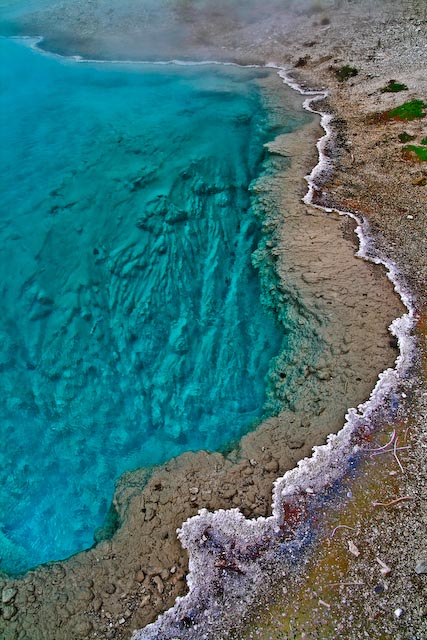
(96, 604)
(159, 584)
(83, 628)
(398, 613)
(140, 576)
(9, 611)
(8, 595)
(421, 566)
(110, 588)
(353, 549)
(273, 466)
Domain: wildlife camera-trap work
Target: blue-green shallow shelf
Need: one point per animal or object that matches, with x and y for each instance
(131, 326)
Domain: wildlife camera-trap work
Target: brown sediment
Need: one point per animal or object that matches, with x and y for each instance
(123, 583)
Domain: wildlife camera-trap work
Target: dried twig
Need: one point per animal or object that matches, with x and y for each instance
(325, 604)
(394, 448)
(380, 453)
(345, 584)
(341, 526)
(396, 456)
(385, 569)
(393, 435)
(392, 502)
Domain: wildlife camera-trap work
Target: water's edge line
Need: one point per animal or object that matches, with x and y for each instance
(310, 473)
(402, 326)
(324, 466)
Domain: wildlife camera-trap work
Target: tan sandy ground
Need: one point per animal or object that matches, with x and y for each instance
(122, 584)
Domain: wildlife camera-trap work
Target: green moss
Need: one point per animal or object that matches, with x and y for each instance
(424, 141)
(346, 72)
(420, 152)
(407, 111)
(393, 87)
(405, 137)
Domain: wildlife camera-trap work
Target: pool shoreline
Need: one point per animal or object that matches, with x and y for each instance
(157, 578)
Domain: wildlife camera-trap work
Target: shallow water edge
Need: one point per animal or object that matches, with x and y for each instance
(152, 339)
(251, 555)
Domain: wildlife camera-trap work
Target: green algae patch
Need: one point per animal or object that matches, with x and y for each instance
(346, 72)
(405, 137)
(408, 111)
(424, 141)
(412, 152)
(393, 87)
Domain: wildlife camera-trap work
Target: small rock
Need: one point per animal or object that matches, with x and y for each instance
(409, 217)
(110, 588)
(421, 566)
(140, 576)
(398, 613)
(385, 570)
(420, 182)
(253, 462)
(295, 442)
(96, 604)
(122, 621)
(273, 466)
(8, 595)
(83, 628)
(228, 492)
(353, 549)
(9, 611)
(194, 491)
(159, 584)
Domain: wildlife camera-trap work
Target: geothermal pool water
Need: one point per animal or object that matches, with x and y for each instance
(132, 327)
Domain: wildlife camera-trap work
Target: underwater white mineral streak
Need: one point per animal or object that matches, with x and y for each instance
(228, 554)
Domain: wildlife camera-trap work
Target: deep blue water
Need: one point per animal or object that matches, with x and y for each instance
(131, 326)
